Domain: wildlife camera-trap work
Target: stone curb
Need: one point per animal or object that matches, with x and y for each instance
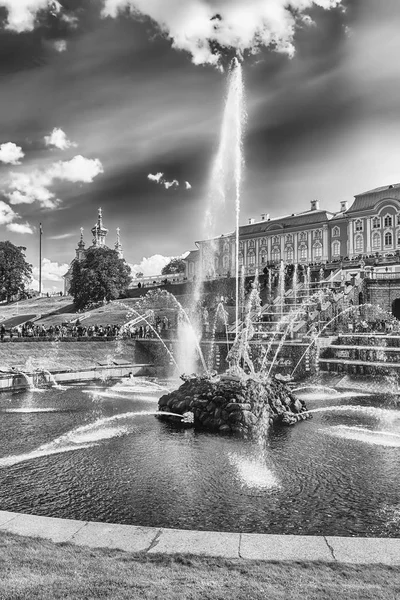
(247, 546)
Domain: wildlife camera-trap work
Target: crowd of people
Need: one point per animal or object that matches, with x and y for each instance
(78, 329)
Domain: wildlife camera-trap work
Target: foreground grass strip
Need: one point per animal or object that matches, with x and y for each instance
(37, 569)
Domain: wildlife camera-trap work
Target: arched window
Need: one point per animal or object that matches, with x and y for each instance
(359, 243)
(263, 241)
(335, 232)
(263, 256)
(303, 252)
(376, 223)
(303, 236)
(388, 239)
(289, 254)
(276, 254)
(398, 218)
(251, 259)
(275, 239)
(358, 225)
(240, 259)
(388, 222)
(225, 261)
(336, 249)
(240, 245)
(289, 238)
(376, 241)
(317, 234)
(251, 243)
(216, 262)
(317, 251)
(226, 247)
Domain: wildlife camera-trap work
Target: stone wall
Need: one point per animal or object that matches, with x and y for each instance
(382, 292)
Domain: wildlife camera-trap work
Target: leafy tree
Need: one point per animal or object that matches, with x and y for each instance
(100, 276)
(176, 265)
(15, 271)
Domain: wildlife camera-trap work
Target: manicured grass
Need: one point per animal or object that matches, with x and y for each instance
(40, 570)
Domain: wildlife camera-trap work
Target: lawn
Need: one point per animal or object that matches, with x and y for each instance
(41, 570)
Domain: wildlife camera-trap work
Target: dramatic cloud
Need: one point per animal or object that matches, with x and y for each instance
(51, 271)
(20, 228)
(21, 14)
(203, 27)
(58, 139)
(26, 188)
(11, 154)
(7, 215)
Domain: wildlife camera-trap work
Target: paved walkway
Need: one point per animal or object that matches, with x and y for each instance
(153, 540)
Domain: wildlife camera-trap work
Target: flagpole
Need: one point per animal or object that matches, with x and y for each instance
(40, 259)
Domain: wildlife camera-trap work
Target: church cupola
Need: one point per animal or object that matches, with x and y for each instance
(99, 232)
(80, 251)
(118, 245)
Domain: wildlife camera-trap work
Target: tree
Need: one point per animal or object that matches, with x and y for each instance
(176, 265)
(100, 276)
(15, 271)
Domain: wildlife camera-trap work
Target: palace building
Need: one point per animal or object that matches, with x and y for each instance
(370, 227)
(99, 233)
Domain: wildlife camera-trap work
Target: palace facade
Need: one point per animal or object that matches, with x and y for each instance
(99, 233)
(370, 227)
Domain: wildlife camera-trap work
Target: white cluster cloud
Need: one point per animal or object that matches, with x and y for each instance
(21, 14)
(60, 45)
(7, 215)
(58, 139)
(20, 228)
(11, 154)
(51, 271)
(151, 266)
(28, 187)
(159, 178)
(244, 25)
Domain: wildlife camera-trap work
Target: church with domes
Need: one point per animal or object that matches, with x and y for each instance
(99, 233)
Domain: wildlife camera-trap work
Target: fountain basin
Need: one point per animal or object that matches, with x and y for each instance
(232, 404)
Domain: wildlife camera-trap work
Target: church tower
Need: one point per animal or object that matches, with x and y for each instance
(80, 251)
(99, 232)
(118, 245)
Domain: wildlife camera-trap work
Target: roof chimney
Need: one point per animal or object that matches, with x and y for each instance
(265, 217)
(314, 205)
(343, 206)
(251, 221)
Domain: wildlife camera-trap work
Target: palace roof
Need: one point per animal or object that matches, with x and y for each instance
(367, 200)
(309, 217)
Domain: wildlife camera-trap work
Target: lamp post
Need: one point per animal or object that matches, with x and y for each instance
(40, 258)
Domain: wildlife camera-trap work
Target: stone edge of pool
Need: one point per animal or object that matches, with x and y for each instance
(249, 546)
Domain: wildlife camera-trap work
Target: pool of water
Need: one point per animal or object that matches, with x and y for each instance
(97, 453)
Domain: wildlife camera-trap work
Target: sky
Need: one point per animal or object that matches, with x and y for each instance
(118, 104)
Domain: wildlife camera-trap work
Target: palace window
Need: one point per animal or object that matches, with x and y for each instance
(398, 218)
(216, 262)
(263, 257)
(289, 238)
(358, 225)
(359, 243)
(276, 254)
(241, 245)
(335, 232)
(317, 234)
(317, 251)
(275, 239)
(251, 259)
(289, 254)
(263, 241)
(191, 268)
(388, 239)
(376, 223)
(303, 236)
(388, 221)
(226, 247)
(398, 238)
(303, 252)
(240, 259)
(376, 241)
(251, 243)
(225, 262)
(336, 249)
